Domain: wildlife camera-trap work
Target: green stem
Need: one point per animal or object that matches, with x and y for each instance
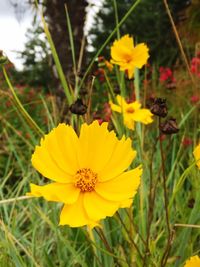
(20, 107)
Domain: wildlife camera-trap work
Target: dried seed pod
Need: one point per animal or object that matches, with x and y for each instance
(169, 126)
(117, 90)
(78, 107)
(159, 107)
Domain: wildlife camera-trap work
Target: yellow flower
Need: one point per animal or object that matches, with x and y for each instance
(88, 172)
(193, 262)
(128, 56)
(132, 112)
(196, 153)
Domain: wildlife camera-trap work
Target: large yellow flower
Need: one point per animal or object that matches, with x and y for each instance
(132, 112)
(193, 262)
(127, 56)
(196, 153)
(88, 172)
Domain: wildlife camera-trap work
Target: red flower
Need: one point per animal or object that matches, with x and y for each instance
(100, 121)
(194, 99)
(195, 66)
(166, 75)
(187, 141)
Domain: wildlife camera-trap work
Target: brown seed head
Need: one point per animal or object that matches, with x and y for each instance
(159, 107)
(169, 126)
(78, 107)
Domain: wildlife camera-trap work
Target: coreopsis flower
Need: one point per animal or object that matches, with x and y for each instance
(132, 112)
(196, 154)
(128, 56)
(88, 172)
(193, 262)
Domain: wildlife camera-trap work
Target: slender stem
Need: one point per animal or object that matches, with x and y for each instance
(110, 88)
(116, 18)
(10, 200)
(187, 225)
(151, 204)
(132, 241)
(20, 107)
(108, 39)
(179, 41)
(91, 239)
(100, 233)
(167, 250)
(90, 99)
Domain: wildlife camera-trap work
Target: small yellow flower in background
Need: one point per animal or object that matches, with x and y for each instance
(128, 56)
(196, 153)
(193, 262)
(132, 112)
(88, 172)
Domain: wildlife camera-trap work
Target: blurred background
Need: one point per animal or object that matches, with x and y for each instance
(24, 42)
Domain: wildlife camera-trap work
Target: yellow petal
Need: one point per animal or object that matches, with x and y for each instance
(62, 143)
(56, 157)
(126, 203)
(129, 122)
(143, 115)
(122, 187)
(115, 107)
(75, 215)
(98, 208)
(43, 163)
(121, 49)
(121, 101)
(193, 262)
(196, 154)
(96, 146)
(130, 72)
(66, 193)
(135, 105)
(121, 159)
(125, 41)
(140, 55)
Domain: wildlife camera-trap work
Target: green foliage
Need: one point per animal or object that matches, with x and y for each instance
(36, 59)
(149, 23)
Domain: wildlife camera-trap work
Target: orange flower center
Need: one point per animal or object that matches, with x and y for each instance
(130, 110)
(128, 57)
(85, 179)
